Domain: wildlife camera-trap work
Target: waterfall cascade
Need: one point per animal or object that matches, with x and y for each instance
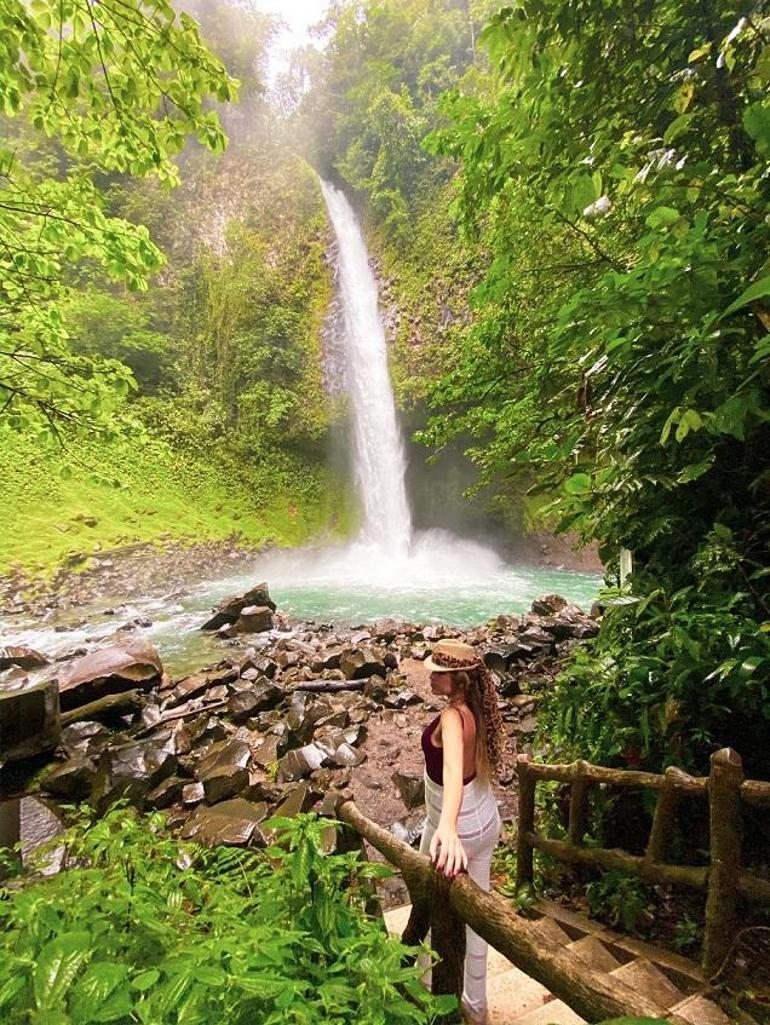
(431, 576)
(379, 451)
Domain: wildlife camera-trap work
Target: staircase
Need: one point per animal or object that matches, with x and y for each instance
(670, 980)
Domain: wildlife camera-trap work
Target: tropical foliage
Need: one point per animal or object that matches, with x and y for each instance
(143, 928)
(620, 351)
(117, 87)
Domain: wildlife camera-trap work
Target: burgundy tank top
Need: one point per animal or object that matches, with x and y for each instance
(434, 756)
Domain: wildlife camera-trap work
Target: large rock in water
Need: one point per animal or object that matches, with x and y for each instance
(24, 658)
(229, 610)
(109, 671)
(29, 720)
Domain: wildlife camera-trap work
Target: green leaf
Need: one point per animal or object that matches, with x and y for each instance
(58, 965)
(578, 484)
(757, 290)
(677, 127)
(662, 217)
(756, 121)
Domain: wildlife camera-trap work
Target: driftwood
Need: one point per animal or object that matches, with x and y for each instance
(592, 994)
(185, 714)
(111, 706)
(329, 686)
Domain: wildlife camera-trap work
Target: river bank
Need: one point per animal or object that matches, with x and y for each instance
(285, 719)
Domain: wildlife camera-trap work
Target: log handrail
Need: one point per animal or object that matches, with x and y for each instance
(724, 880)
(593, 995)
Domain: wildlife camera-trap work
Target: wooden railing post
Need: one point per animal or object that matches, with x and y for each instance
(663, 820)
(724, 788)
(578, 806)
(524, 849)
(447, 937)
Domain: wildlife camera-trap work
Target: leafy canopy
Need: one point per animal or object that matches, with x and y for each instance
(116, 86)
(619, 355)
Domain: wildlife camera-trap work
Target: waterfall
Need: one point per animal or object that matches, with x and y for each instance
(380, 464)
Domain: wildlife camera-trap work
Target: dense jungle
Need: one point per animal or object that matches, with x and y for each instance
(440, 320)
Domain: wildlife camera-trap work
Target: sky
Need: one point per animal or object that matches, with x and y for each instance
(298, 15)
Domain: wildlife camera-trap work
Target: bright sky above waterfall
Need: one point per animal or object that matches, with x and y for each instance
(299, 15)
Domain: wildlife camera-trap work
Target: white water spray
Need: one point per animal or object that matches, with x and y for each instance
(379, 451)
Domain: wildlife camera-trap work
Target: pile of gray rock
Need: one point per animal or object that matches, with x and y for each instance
(277, 727)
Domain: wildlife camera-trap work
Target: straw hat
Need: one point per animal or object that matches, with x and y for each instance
(452, 656)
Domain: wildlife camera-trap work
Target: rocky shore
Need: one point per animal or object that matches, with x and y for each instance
(294, 715)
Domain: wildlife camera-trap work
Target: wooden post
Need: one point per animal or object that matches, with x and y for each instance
(447, 937)
(725, 782)
(524, 849)
(663, 821)
(578, 806)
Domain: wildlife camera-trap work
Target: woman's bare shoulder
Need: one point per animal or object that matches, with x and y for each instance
(451, 714)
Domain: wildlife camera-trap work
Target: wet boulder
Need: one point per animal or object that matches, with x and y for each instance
(300, 762)
(409, 828)
(30, 722)
(84, 739)
(17, 656)
(548, 604)
(296, 798)
(500, 659)
(30, 823)
(377, 689)
(401, 698)
(254, 619)
(131, 771)
(267, 754)
(234, 823)
(326, 660)
(166, 793)
(411, 787)
(192, 794)
(260, 697)
(229, 610)
(110, 670)
(223, 771)
(205, 729)
(71, 780)
(361, 663)
(303, 715)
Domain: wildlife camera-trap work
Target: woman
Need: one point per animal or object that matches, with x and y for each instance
(463, 747)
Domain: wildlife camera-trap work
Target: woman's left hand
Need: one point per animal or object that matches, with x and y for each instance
(452, 857)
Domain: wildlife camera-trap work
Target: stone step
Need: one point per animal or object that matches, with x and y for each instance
(551, 932)
(555, 1012)
(592, 952)
(510, 992)
(699, 1010)
(650, 981)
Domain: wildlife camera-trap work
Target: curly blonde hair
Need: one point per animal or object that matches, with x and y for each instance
(476, 682)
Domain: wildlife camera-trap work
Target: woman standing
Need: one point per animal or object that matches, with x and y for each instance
(463, 747)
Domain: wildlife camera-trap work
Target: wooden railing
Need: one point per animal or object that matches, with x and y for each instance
(445, 907)
(725, 880)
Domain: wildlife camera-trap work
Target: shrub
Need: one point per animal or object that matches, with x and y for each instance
(143, 928)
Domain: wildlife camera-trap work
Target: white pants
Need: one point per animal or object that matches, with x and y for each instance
(478, 827)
